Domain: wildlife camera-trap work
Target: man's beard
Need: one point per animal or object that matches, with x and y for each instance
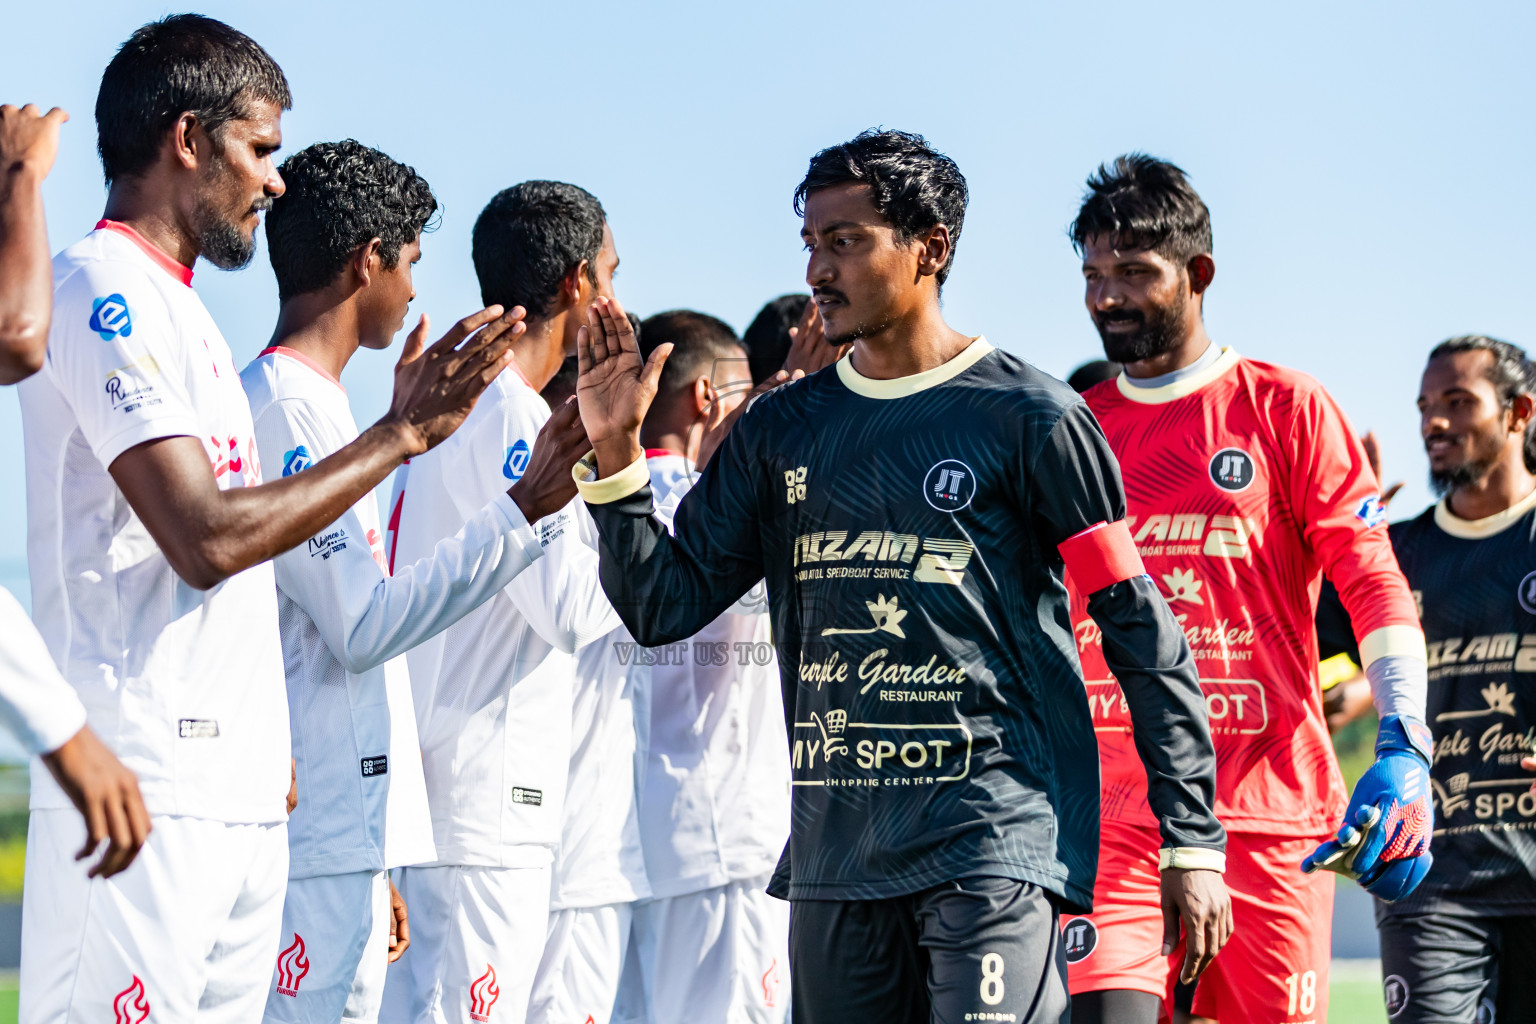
(1470, 471)
(1155, 335)
(219, 239)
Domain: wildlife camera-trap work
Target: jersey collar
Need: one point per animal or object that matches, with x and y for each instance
(1179, 388)
(159, 256)
(901, 387)
(300, 357)
(1480, 529)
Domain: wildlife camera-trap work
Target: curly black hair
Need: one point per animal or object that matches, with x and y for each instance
(529, 237)
(342, 195)
(1141, 202)
(915, 187)
(180, 64)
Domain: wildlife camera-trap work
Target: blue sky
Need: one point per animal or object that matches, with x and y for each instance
(1365, 164)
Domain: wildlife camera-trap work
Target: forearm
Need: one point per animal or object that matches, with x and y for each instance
(26, 283)
(1147, 653)
(39, 707)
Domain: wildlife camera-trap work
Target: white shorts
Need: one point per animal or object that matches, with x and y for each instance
(578, 978)
(333, 950)
(476, 937)
(186, 932)
(717, 955)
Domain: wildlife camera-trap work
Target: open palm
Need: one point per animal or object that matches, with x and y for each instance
(615, 387)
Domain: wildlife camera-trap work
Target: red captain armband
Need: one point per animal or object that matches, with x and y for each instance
(1101, 555)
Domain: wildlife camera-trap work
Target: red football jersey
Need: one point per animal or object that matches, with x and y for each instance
(1245, 484)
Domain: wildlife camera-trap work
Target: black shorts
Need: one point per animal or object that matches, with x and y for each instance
(976, 949)
(1440, 967)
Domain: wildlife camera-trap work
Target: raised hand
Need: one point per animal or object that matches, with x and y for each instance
(547, 486)
(436, 387)
(29, 138)
(1373, 455)
(615, 387)
(107, 795)
(809, 350)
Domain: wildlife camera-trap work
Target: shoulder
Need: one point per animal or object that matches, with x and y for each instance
(1012, 389)
(1280, 386)
(1407, 531)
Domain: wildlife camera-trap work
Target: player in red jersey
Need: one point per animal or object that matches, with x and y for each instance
(1245, 485)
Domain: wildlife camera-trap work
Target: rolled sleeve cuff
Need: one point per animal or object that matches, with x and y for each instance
(610, 489)
(1191, 858)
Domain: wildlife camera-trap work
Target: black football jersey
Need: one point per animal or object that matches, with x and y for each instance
(907, 530)
(1476, 588)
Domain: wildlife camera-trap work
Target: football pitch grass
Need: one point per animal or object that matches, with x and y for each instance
(1354, 996)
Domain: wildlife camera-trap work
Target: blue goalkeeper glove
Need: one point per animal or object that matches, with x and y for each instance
(1384, 841)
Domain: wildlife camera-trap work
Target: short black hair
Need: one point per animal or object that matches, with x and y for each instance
(1141, 202)
(699, 343)
(767, 339)
(915, 187)
(1511, 374)
(1094, 371)
(340, 196)
(180, 64)
(529, 237)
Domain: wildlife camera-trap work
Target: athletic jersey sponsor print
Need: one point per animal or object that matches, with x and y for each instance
(1473, 582)
(131, 1005)
(483, 992)
(185, 685)
(908, 533)
(1244, 485)
(292, 966)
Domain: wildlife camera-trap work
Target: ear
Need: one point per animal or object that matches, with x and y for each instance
(1521, 410)
(189, 141)
(367, 261)
(703, 396)
(1202, 271)
(572, 284)
(935, 252)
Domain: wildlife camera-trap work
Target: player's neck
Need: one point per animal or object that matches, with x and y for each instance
(908, 346)
(1181, 355)
(540, 350)
(134, 202)
(1505, 485)
(322, 330)
(672, 437)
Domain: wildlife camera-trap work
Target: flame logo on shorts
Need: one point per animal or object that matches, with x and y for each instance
(130, 1006)
(292, 965)
(771, 984)
(482, 995)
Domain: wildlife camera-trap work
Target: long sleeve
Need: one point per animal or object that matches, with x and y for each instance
(36, 704)
(364, 615)
(1076, 485)
(668, 586)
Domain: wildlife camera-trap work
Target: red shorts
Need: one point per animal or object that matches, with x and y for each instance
(1274, 970)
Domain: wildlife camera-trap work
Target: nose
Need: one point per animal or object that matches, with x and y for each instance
(1103, 295)
(274, 185)
(818, 270)
(1433, 423)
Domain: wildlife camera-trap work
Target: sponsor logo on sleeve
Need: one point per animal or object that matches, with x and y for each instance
(1371, 512)
(524, 795)
(375, 766)
(292, 966)
(516, 463)
(131, 1005)
(327, 544)
(110, 317)
(482, 995)
(1079, 938)
(197, 729)
(132, 387)
(296, 460)
(949, 486)
(1232, 470)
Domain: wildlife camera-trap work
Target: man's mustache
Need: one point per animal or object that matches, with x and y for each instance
(1448, 438)
(829, 293)
(262, 205)
(1121, 316)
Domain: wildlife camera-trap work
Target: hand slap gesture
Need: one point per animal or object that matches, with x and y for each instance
(615, 388)
(435, 388)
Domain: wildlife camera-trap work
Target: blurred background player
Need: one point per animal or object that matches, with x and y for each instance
(493, 693)
(139, 440)
(918, 870)
(1244, 483)
(1459, 948)
(599, 869)
(786, 335)
(342, 240)
(714, 807)
(36, 704)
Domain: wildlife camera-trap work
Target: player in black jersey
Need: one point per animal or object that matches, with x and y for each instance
(1462, 946)
(911, 508)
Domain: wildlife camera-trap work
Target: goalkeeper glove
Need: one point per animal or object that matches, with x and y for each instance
(1384, 841)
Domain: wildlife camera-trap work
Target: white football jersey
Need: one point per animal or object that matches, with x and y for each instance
(36, 704)
(714, 801)
(346, 625)
(493, 691)
(185, 686)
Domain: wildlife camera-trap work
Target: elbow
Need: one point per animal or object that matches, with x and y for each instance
(202, 566)
(23, 343)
